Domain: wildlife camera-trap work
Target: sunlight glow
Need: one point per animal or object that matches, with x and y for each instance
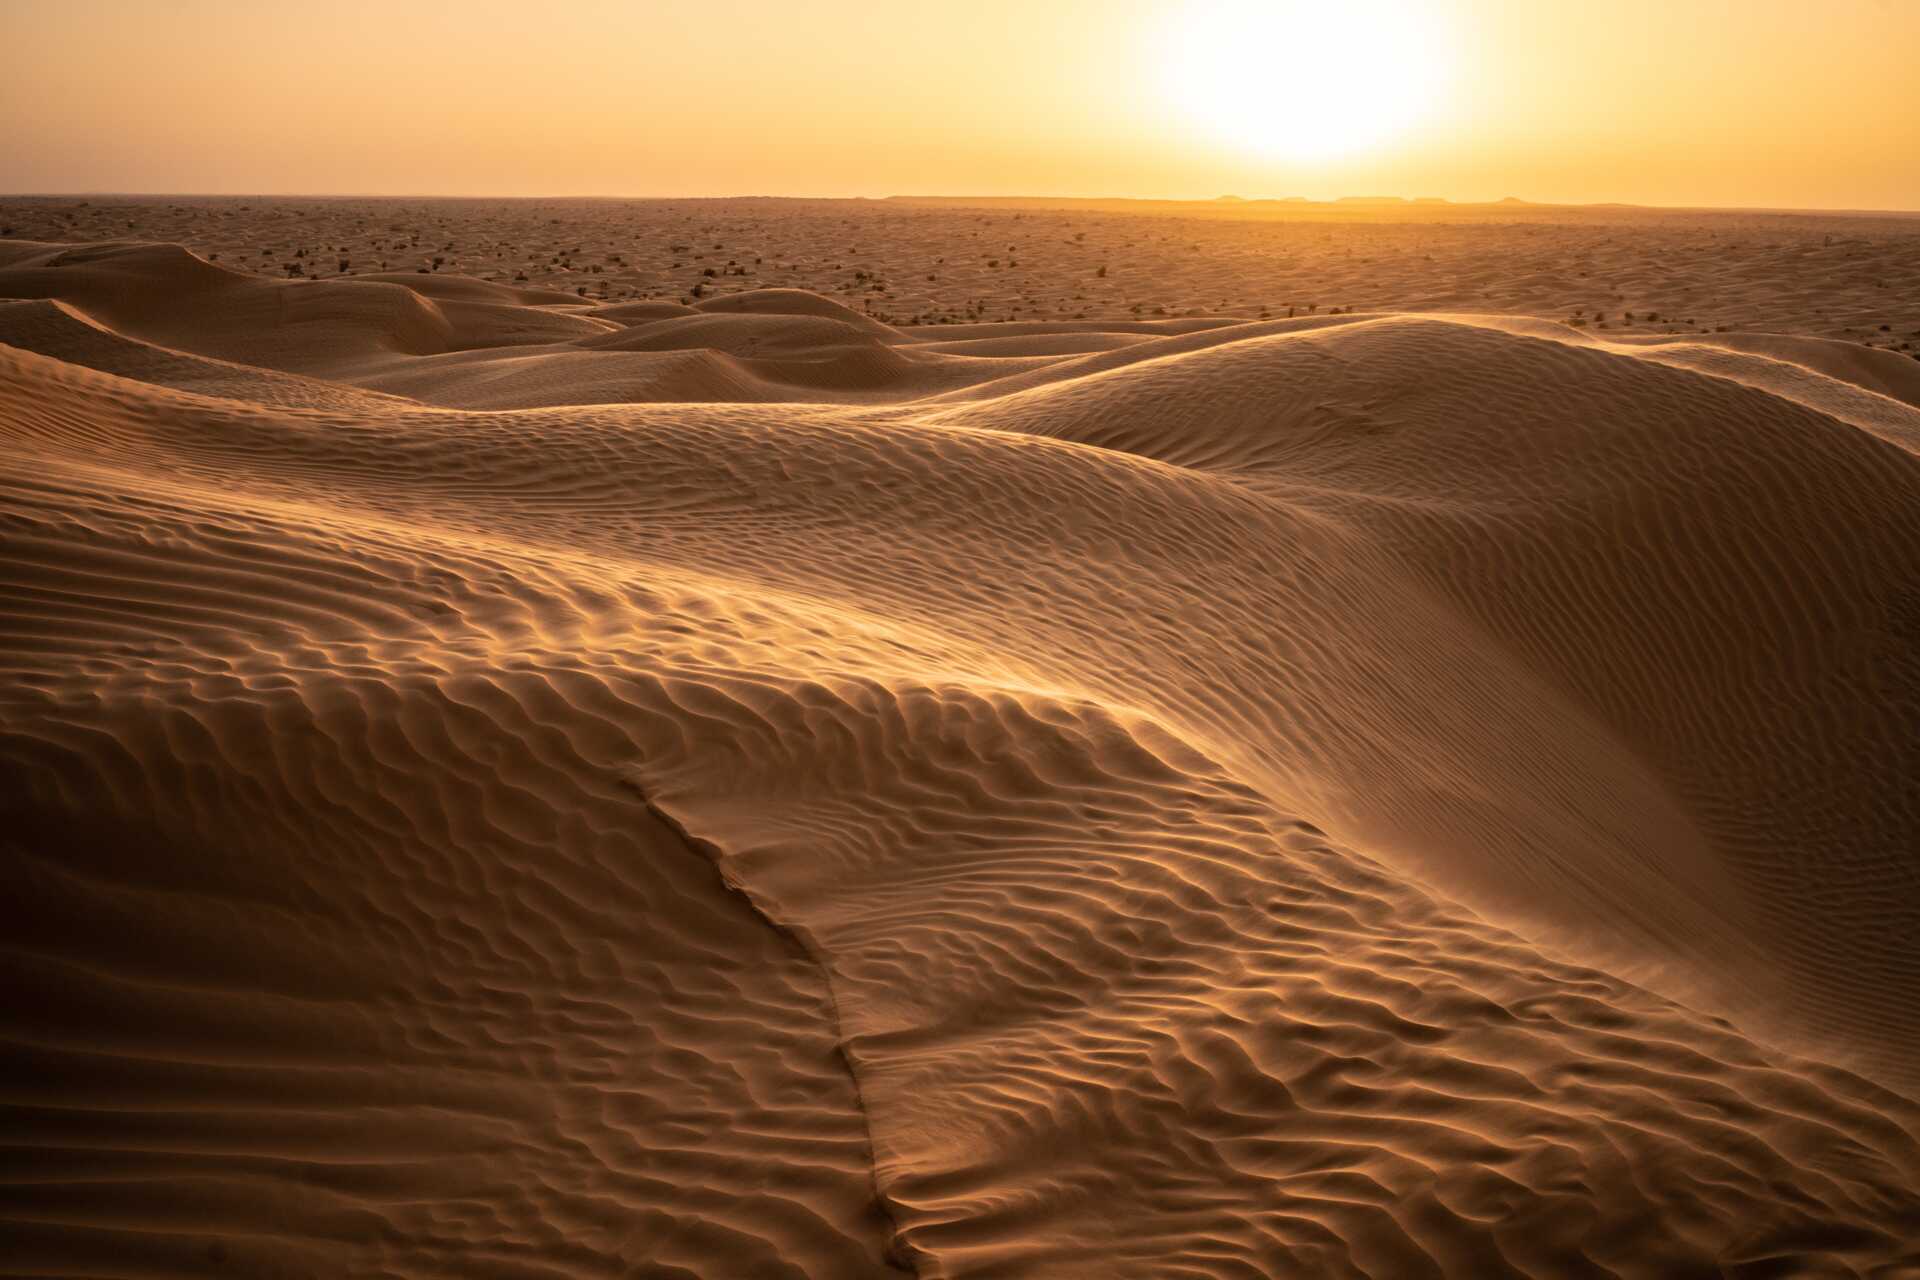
(1303, 81)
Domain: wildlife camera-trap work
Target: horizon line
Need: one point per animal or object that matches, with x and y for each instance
(1228, 199)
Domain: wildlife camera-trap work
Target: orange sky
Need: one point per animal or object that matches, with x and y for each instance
(1784, 103)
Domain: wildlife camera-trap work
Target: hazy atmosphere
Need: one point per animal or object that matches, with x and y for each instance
(1680, 102)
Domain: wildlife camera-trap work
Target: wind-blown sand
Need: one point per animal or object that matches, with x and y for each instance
(504, 784)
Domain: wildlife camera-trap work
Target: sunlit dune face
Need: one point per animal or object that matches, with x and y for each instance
(1303, 81)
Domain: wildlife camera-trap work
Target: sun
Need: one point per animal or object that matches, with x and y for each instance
(1302, 81)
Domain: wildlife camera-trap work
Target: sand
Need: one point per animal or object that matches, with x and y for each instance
(1631, 270)
(504, 783)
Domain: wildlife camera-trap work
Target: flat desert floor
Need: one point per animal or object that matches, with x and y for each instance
(1854, 277)
(828, 739)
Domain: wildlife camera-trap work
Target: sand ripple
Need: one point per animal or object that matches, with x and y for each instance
(1375, 796)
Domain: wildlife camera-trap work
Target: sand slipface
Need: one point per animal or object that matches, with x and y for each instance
(497, 784)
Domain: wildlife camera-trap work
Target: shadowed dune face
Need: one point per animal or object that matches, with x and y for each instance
(503, 787)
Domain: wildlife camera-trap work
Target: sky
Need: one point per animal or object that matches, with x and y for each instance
(1756, 103)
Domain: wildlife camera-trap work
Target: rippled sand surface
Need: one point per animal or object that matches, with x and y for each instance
(497, 783)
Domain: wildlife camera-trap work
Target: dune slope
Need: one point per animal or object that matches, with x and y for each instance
(499, 788)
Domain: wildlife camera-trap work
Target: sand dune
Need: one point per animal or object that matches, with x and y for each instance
(1619, 270)
(502, 785)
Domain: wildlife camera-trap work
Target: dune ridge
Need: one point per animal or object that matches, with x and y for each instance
(497, 785)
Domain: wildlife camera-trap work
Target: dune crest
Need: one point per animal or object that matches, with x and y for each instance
(497, 783)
